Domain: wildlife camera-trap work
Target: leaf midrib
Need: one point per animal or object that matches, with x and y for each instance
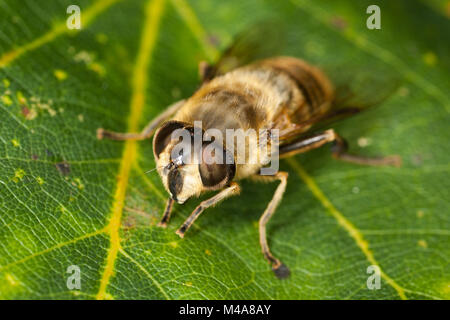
(153, 13)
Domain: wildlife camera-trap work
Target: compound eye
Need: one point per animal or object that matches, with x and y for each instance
(163, 136)
(217, 167)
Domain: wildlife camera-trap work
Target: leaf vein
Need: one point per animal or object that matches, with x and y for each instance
(89, 15)
(345, 223)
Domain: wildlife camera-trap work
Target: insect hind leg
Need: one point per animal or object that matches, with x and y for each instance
(339, 149)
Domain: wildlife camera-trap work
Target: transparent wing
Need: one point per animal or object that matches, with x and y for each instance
(262, 40)
(358, 86)
(356, 89)
(361, 87)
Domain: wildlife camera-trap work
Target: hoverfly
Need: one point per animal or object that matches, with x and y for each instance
(281, 92)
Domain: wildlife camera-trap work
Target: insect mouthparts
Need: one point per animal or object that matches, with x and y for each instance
(169, 165)
(178, 161)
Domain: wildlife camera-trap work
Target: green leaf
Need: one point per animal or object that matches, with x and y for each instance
(68, 199)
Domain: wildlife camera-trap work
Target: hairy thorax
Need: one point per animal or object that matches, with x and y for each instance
(248, 100)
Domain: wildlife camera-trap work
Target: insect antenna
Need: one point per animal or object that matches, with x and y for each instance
(153, 169)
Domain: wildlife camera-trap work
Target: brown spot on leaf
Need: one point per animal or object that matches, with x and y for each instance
(417, 159)
(339, 23)
(129, 223)
(63, 168)
(213, 40)
(49, 153)
(25, 111)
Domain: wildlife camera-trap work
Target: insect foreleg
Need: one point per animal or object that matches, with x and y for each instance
(147, 132)
(338, 149)
(280, 269)
(232, 190)
(167, 212)
(205, 71)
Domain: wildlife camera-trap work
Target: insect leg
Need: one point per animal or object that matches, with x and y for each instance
(232, 190)
(280, 269)
(338, 149)
(206, 71)
(147, 132)
(166, 215)
(306, 144)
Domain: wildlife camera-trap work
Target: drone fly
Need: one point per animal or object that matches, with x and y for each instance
(278, 92)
